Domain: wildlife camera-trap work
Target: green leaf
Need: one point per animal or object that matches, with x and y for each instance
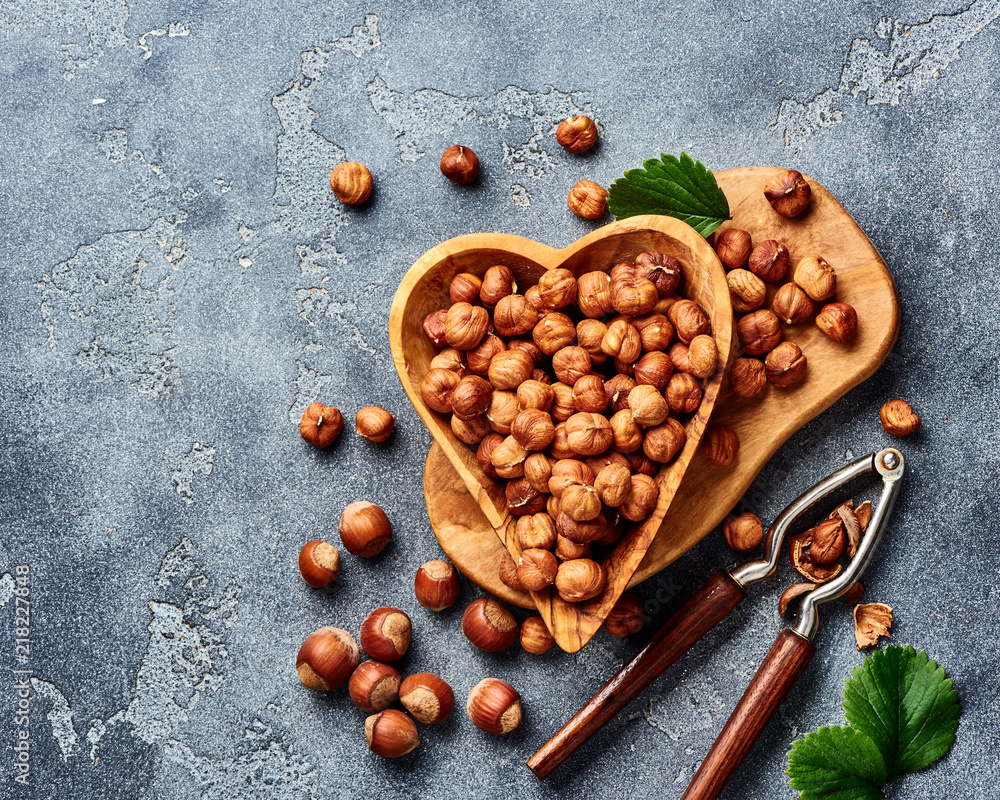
(681, 188)
(836, 763)
(904, 703)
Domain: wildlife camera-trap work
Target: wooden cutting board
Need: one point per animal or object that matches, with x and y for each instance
(763, 423)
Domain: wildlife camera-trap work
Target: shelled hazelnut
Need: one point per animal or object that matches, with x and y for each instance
(788, 193)
(743, 532)
(436, 388)
(498, 282)
(588, 200)
(580, 579)
(627, 616)
(386, 633)
(459, 164)
(433, 326)
(536, 569)
(374, 424)
(507, 572)
(839, 321)
(365, 530)
(577, 134)
(351, 182)
(746, 291)
(769, 260)
(535, 637)
(436, 585)
(320, 426)
(816, 277)
(427, 696)
(791, 304)
(326, 659)
(470, 397)
(391, 734)
(465, 288)
(747, 377)
(733, 247)
(720, 445)
(489, 625)
(898, 418)
(494, 706)
(319, 563)
(759, 332)
(663, 270)
(785, 364)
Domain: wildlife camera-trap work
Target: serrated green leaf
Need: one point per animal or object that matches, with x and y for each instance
(836, 763)
(676, 187)
(904, 703)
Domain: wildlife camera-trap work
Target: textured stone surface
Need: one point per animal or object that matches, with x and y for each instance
(178, 283)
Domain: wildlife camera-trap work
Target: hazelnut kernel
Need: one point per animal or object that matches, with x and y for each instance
(537, 531)
(785, 364)
(494, 706)
(509, 369)
(627, 616)
(683, 393)
(557, 288)
(471, 397)
(579, 579)
(788, 193)
(533, 429)
(514, 316)
(373, 686)
(747, 377)
(593, 294)
(654, 369)
(480, 356)
(759, 332)
(326, 659)
(703, 355)
(664, 441)
(553, 331)
(577, 134)
(508, 458)
(588, 200)
(498, 281)
(816, 277)
(319, 563)
(839, 321)
(769, 260)
(720, 445)
(436, 585)
(664, 271)
(791, 304)
(898, 418)
(386, 633)
(571, 363)
(589, 394)
(535, 637)
(436, 388)
(351, 182)
(427, 696)
(459, 164)
(465, 325)
(507, 572)
(733, 247)
(641, 499)
(743, 532)
(689, 320)
(633, 296)
(465, 288)
(320, 426)
(391, 733)
(489, 625)
(374, 424)
(613, 484)
(536, 569)
(471, 431)
(365, 530)
(828, 542)
(434, 327)
(746, 291)
(647, 405)
(588, 434)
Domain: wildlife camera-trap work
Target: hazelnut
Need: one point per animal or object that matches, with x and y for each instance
(514, 316)
(664, 303)
(622, 341)
(365, 530)
(625, 271)
(588, 200)
(320, 426)
(536, 569)
(503, 408)
(617, 389)
(627, 616)
(569, 472)
(664, 271)
(589, 395)
(494, 706)
(436, 388)
(839, 321)
(567, 549)
(817, 278)
(791, 304)
(898, 418)
(434, 327)
(538, 470)
(683, 393)
(459, 164)
(465, 288)
(647, 405)
(599, 462)
(523, 498)
(385, 634)
(471, 431)
(436, 585)
(533, 429)
(489, 625)
(391, 734)
(553, 331)
(703, 355)
(319, 564)
(655, 331)
(654, 369)
(743, 532)
(588, 434)
(373, 686)
(640, 465)
(535, 637)
(507, 572)
(769, 260)
(531, 294)
(641, 499)
(563, 405)
(327, 659)
(593, 294)
(746, 291)
(570, 364)
(480, 356)
(428, 697)
(374, 424)
(680, 356)
(720, 445)
(529, 347)
(664, 441)
(579, 532)
(557, 288)
(613, 484)
(351, 182)
(580, 502)
(498, 281)
(465, 325)
(853, 595)
(552, 509)
(560, 449)
(828, 542)
(534, 394)
(577, 134)
(633, 296)
(746, 377)
(788, 193)
(579, 580)
(471, 397)
(733, 247)
(509, 369)
(689, 320)
(537, 531)
(541, 376)
(759, 332)
(785, 364)
(791, 594)
(508, 458)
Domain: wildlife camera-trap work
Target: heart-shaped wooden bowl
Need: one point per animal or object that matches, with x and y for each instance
(424, 289)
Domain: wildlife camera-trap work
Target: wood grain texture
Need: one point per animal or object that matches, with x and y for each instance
(763, 423)
(720, 595)
(424, 288)
(786, 660)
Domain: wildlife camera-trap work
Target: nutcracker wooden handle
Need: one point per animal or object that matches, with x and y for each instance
(787, 659)
(720, 595)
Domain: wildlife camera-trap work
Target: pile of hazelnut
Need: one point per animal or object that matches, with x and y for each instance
(573, 393)
(810, 292)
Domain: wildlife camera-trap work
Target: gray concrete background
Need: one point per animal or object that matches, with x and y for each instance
(177, 284)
